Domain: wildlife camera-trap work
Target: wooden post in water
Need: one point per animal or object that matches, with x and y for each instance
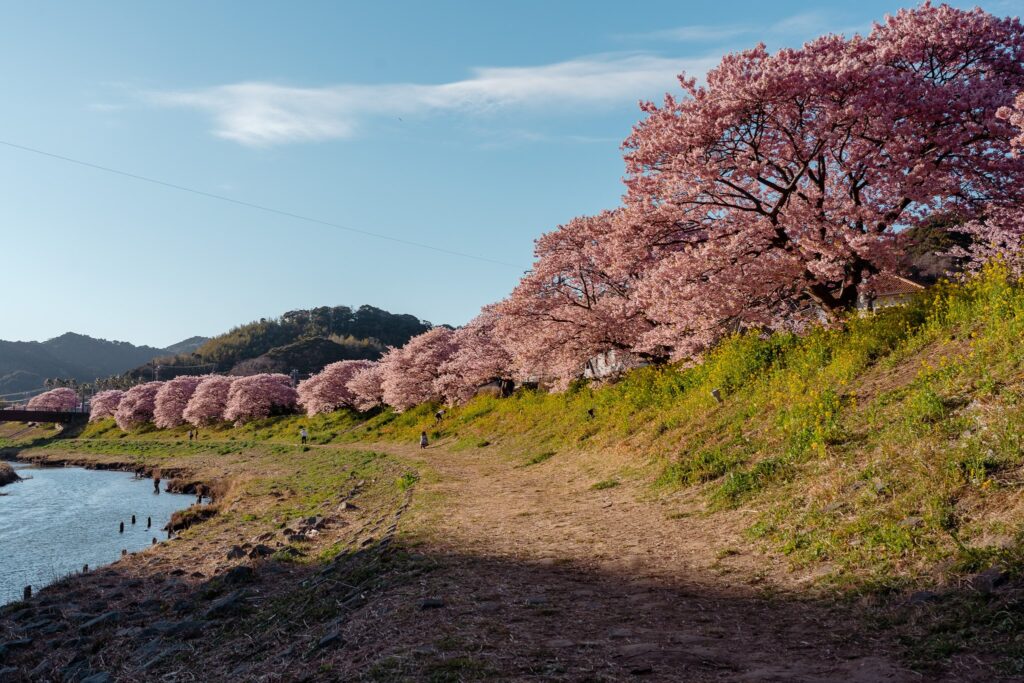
(149, 522)
(124, 551)
(27, 595)
(122, 528)
(154, 540)
(133, 519)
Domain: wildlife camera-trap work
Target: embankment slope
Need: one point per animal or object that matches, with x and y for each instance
(849, 510)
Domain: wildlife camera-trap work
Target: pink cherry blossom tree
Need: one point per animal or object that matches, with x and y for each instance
(137, 406)
(365, 386)
(479, 357)
(208, 402)
(997, 237)
(788, 175)
(60, 400)
(259, 396)
(408, 374)
(328, 390)
(1000, 234)
(1014, 114)
(172, 399)
(104, 404)
(580, 299)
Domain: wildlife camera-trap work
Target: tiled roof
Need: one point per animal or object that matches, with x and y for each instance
(890, 284)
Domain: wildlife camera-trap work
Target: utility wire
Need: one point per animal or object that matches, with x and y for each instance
(258, 207)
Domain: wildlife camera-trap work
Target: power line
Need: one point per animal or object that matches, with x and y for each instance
(251, 205)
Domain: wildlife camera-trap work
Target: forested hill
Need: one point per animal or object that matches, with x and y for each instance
(303, 340)
(25, 365)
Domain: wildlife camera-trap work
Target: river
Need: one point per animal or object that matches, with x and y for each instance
(61, 518)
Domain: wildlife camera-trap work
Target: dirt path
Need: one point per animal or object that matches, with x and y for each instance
(485, 570)
(542, 577)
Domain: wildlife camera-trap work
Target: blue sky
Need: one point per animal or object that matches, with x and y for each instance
(468, 126)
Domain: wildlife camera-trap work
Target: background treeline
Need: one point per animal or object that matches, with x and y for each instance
(302, 340)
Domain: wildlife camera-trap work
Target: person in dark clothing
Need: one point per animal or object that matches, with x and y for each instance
(423, 439)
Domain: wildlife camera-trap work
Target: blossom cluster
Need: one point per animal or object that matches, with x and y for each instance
(62, 399)
(137, 406)
(197, 400)
(104, 404)
(258, 396)
(329, 389)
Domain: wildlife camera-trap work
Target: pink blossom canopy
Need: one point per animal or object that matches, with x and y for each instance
(208, 402)
(365, 386)
(104, 404)
(61, 400)
(258, 396)
(480, 357)
(137, 406)
(408, 374)
(172, 399)
(785, 179)
(328, 390)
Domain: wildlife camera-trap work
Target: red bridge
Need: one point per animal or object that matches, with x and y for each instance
(20, 415)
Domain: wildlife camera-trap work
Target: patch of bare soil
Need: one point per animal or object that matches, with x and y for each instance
(541, 577)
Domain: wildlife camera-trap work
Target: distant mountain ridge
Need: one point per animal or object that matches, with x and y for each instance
(25, 365)
(186, 345)
(302, 340)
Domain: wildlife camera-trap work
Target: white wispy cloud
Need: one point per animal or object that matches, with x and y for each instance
(262, 113)
(803, 24)
(690, 34)
(813, 22)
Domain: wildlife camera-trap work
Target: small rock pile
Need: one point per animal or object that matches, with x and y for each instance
(7, 474)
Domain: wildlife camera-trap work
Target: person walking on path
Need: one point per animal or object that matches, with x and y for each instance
(304, 435)
(423, 439)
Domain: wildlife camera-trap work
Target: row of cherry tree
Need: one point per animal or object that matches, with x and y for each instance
(200, 400)
(767, 198)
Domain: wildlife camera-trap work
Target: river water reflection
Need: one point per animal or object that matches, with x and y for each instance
(60, 518)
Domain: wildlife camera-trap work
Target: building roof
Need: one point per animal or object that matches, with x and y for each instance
(890, 284)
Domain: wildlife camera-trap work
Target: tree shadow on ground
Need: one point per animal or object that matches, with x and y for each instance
(388, 613)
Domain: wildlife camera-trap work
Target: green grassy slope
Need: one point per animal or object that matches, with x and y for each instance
(889, 450)
(882, 457)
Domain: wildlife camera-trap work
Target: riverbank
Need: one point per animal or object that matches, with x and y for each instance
(241, 585)
(59, 519)
(384, 562)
